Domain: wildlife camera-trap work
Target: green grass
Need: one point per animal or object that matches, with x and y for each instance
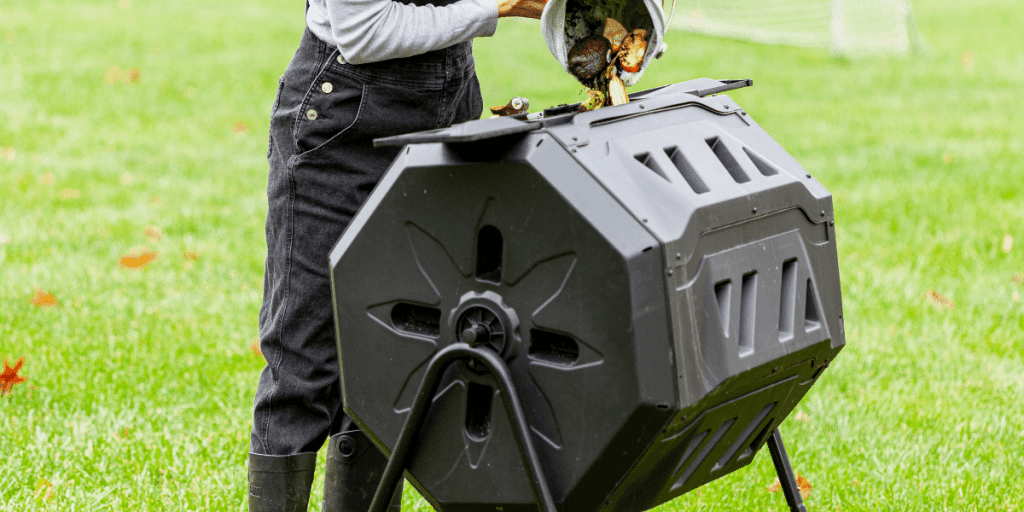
(140, 383)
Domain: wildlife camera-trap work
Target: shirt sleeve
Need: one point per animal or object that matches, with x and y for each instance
(376, 30)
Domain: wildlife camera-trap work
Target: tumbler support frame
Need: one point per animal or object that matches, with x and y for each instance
(402, 453)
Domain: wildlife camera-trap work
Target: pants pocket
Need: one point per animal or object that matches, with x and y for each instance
(331, 108)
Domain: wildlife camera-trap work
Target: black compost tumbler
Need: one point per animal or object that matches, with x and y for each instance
(586, 311)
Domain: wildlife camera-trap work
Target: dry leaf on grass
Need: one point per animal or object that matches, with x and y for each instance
(154, 199)
(255, 347)
(133, 75)
(153, 233)
(9, 377)
(42, 299)
(802, 483)
(1007, 243)
(939, 300)
(239, 127)
(1018, 278)
(191, 255)
(137, 258)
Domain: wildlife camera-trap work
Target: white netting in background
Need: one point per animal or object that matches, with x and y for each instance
(846, 27)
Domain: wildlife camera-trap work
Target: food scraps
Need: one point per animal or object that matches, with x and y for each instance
(517, 105)
(599, 60)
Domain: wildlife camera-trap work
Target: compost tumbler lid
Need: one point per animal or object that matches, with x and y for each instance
(553, 24)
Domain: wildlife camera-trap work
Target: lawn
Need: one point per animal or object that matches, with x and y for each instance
(130, 130)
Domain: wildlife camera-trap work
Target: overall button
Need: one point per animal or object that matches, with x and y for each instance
(311, 115)
(327, 87)
(341, 60)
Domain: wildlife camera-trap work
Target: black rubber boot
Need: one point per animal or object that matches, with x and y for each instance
(354, 469)
(280, 483)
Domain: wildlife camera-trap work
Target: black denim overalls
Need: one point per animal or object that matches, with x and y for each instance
(322, 168)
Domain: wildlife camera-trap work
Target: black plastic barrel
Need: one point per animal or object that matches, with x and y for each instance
(660, 278)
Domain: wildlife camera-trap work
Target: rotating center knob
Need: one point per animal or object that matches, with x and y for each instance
(476, 335)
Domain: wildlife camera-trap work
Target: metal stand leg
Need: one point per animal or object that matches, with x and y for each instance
(785, 471)
(400, 456)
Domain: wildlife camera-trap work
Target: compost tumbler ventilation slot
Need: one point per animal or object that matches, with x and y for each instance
(710, 445)
(760, 438)
(488, 255)
(686, 170)
(748, 312)
(727, 159)
(811, 319)
(723, 294)
(743, 438)
(767, 168)
(787, 300)
(478, 411)
(651, 163)
(414, 319)
(553, 347)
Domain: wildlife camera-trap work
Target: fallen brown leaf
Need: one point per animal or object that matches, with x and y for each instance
(192, 255)
(239, 127)
(1018, 278)
(939, 300)
(255, 347)
(804, 486)
(9, 377)
(136, 259)
(153, 233)
(801, 483)
(42, 299)
(133, 75)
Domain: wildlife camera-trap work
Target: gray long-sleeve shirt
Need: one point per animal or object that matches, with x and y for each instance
(375, 30)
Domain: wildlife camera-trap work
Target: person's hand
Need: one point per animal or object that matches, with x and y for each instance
(521, 8)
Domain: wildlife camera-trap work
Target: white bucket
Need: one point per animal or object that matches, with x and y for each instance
(586, 17)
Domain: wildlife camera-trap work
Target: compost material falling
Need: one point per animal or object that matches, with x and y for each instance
(608, 41)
